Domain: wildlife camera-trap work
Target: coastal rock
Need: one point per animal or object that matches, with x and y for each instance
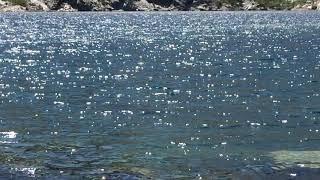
(297, 7)
(93, 5)
(183, 5)
(3, 3)
(201, 7)
(9, 7)
(154, 5)
(35, 5)
(117, 4)
(65, 7)
(162, 8)
(139, 5)
(307, 7)
(52, 4)
(204, 5)
(13, 8)
(250, 5)
(225, 7)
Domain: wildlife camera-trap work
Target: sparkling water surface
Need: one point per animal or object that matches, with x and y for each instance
(157, 95)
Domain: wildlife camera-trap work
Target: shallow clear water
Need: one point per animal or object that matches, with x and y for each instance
(157, 95)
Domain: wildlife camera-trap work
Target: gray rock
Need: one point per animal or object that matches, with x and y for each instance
(146, 5)
(183, 5)
(250, 5)
(52, 4)
(317, 4)
(3, 3)
(117, 4)
(310, 159)
(6, 6)
(91, 5)
(36, 5)
(125, 176)
(65, 7)
(139, 5)
(12, 8)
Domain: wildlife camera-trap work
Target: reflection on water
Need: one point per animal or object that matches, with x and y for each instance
(8, 137)
(158, 95)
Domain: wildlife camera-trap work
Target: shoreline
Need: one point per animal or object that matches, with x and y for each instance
(173, 11)
(151, 6)
(164, 11)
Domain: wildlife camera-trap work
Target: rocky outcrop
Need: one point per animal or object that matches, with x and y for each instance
(157, 5)
(309, 5)
(139, 5)
(13, 8)
(65, 7)
(204, 5)
(317, 5)
(250, 5)
(91, 5)
(9, 7)
(36, 5)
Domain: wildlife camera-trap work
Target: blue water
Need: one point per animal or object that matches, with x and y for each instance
(156, 95)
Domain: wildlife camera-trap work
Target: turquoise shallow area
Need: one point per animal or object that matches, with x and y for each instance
(159, 95)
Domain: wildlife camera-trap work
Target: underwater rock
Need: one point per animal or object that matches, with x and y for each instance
(268, 171)
(123, 175)
(310, 159)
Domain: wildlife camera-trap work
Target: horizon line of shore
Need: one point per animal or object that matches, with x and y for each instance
(135, 5)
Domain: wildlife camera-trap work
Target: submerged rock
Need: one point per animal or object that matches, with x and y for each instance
(310, 159)
(266, 172)
(123, 175)
(286, 165)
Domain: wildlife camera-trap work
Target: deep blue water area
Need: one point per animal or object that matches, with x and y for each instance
(158, 95)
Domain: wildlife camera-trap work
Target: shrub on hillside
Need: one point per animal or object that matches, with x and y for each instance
(18, 2)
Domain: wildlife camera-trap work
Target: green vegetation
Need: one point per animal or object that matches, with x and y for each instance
(18, 2)
(268, 4)
(283, 4)
(276, 4)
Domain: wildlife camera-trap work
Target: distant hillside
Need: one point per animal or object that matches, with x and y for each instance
(156, 5)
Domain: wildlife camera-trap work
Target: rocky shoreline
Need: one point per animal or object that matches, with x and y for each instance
(154, 5)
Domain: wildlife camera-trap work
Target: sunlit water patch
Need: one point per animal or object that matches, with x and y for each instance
(159, 95)
(8, 137)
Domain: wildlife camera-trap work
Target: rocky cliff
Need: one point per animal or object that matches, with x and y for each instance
(156, 5)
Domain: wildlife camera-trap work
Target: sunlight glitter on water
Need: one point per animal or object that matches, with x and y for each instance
(8, 137)
(182, 95)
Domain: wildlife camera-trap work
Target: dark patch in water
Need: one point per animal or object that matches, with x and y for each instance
(267, 172)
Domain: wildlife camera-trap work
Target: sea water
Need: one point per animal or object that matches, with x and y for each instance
(158, 95)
